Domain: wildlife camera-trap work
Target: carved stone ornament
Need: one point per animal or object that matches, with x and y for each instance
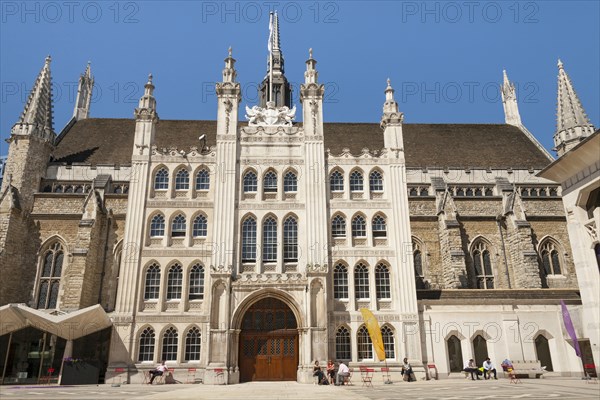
(270, 116)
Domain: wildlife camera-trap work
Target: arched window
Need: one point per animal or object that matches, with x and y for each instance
(50, 277)
(269, 252)
(250, 182)
(290, 182)
(197, 282)
(146, 349)
(270, 182)
(200, 227)
(480, 349)
(152, 288)
(356, 181)
(340, 282)
(342, 344)
(382, 282)
(157, 226)
(376, 182)
(338, 226)
(455, 354)
(359, 227)
(174, 282)
(202, 180)
(387, 335)
(483, 266)
(336, 182)
(361, 281)
(161, 179)
(364, 344)
(182, 179)
(169, 345)
(178, 227)
(193, 341)
(550, 258)
(290, 240)
(249, 240)
(379, 226)
(418, 263)
(542, 351)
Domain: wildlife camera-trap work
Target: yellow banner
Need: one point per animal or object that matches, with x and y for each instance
(374, 332)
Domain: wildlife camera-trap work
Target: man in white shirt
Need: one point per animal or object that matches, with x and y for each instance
(488, 368)
(343, 372)
(471, 368)
(158, 371)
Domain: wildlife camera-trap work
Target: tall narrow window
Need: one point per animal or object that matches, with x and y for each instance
(290, 182)
(376, 181)
(250, 182)
(364, 344)
(174, 282)
(340, 282)
(361, 281)
(387, 335)
(379, 226)
(202, 180)
(152, 288)
(169, 345)
(50, 277)
(338, 226)
(249, 240)
(270, 182)
(455, 354)
(356, 181)
(550, 258)
(269, 252)
(342, 344)
(336, 182)
(418, 262)
(480, 349)
(157, 226)
(382, 282)
(182, 180)
(483, 266)
(290, 240)
(178, 227)
(200, 228)
(359, 227)
(146, 349)
(161, 179)
(193, 341)
(196, 282)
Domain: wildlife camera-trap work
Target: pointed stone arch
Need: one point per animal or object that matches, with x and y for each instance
(240, 310)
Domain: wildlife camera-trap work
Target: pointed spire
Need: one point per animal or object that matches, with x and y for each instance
(275, 38)
(509, 102)
(84, 94)
(275, 86)
(572, 123)
(147, 106)
(391, 112)
(229, 72)
(37, 114)
(311, 75)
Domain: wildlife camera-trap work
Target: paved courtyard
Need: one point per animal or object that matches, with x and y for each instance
(445, 389)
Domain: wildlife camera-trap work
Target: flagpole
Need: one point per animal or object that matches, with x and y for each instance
(271, 78)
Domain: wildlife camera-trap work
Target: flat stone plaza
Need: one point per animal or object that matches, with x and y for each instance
(563, 388)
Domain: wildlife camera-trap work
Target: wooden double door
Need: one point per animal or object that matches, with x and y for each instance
(268, 343)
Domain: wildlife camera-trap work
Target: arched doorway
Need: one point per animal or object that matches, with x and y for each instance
(455, 354)
(542, 351)
(480, 349)
(268, 342)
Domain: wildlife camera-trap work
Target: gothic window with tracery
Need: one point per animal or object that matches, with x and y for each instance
(269, 252)
(379, 226)
(202, 180)
(340, 282)
(174, 282)
(146, 349)
(382, 282)
(483, 266)
(290, 182)
(551, 258)
(387, 335)
(376, 181)
(336, 182)
(270, 182)
(196, 282)
(51, 271)
(359, 227)
(152, 287)
(356, 181)
(338, 226)
(169, 345)
(250, 182)
(290, 240)
(364, 344)
(161, 179)
(182, 180)
(178, 227)
(157, 226)
(361, 281)
(249, 240)
(200, 227)
(193, 342)
(342, 344)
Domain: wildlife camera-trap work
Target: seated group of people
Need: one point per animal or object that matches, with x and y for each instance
(487, 369)
(323, 378)
(343, 371)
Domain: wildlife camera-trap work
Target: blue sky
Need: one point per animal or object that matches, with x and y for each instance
(444, 58)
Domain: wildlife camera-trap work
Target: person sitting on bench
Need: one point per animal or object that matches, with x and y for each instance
(471, 368)
(158, 371)
(488, 368)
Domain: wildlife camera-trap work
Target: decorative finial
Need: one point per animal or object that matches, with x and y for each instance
(560, 64)
(230, 51)
(149, 79)
(389, 82)
(48, 59)
(310, 53)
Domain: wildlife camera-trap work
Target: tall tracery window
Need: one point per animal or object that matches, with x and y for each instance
(179, 226)
(359, 226)
(269, 252)
(193, 341)
(418, 264)
(387, 335)
(483, 266)
(250, 182)
(152, 287)
(379, 226)
(382, 282)
(364, 344)
(550, 258)
(290, 240)
(270, 182)
(336, 182)
(161, 179)
(202, 180)
(338, 226)
(49, 282)
(376, 182)
(169, 345)
(182, 179)
(196, 282)
(249, 240)
(340, 282)
(174, 282)
(200, 227)
(356, 181)
(290, 182)
(157, 226)
(342, 344)
(146, 349)
(361, 281)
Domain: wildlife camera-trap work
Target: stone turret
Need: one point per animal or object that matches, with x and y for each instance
(509, 101)
(84, 95)
(391, 121)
